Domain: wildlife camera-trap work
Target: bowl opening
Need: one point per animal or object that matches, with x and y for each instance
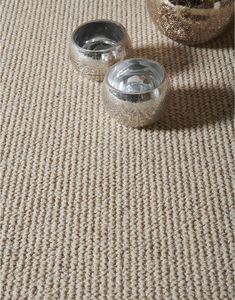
(98, 35)
(136, 75)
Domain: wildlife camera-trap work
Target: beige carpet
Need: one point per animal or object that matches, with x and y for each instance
(95, 210)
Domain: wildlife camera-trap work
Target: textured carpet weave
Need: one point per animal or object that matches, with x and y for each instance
(95, 210)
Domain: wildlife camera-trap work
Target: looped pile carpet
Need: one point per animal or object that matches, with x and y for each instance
(95, 210)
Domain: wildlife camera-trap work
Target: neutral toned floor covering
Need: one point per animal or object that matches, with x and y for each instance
(95, 210)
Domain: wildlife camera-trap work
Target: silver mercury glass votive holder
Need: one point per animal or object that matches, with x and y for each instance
(97, 45)
(191, 25)
(134, 91)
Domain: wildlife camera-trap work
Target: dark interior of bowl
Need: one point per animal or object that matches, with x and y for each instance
(136, 76)
(98, 35)
(199, 3)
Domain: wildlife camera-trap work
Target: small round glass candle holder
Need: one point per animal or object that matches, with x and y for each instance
(134, 92)
(191, 25)
(97, 45)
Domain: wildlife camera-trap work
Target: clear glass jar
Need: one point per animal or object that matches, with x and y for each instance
(97, 45)
(134, 92)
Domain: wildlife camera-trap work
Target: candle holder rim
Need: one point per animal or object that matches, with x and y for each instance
(107, 50)
(150, 91)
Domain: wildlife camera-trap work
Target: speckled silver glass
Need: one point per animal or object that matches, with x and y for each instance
(190, 25)
(97, 45)
(134, 91)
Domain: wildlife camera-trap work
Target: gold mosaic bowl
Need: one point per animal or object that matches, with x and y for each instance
(190, 25)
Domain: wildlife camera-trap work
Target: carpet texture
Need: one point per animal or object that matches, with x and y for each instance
(95, 210)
